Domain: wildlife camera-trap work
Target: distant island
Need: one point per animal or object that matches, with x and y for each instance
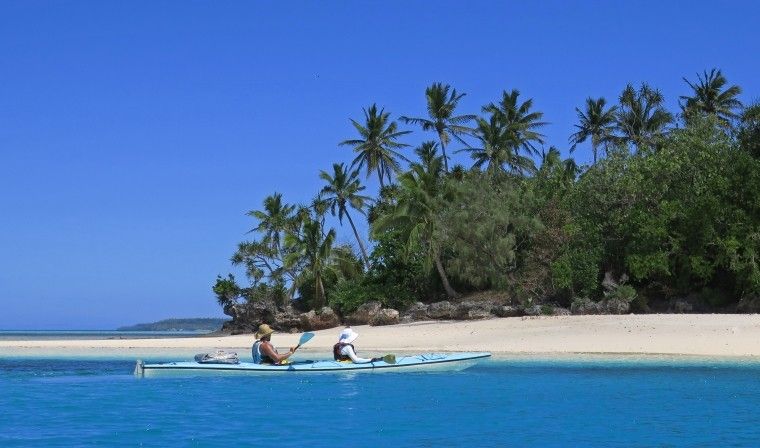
(194, 324)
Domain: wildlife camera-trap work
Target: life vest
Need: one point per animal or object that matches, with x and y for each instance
(258, 357)
(337, 348)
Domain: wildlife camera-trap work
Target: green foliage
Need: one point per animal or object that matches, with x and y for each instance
(264, 291)
(377, 146)
(749, 130)
(710, 98)
(442, 101)
(576, 271)
(341, 192)
(642, 119)
(679, 216)
(623, 293)
(400, 268)
(227, 290)
(486, 225)
(595, 123)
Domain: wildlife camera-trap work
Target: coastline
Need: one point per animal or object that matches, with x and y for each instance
(566, 337)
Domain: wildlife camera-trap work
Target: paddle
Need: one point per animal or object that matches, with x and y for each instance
(306, 337)
(390, 359)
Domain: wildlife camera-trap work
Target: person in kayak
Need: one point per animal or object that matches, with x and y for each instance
(344, 350)
(263, 351)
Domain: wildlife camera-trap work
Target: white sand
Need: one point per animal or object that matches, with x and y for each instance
(703, 335)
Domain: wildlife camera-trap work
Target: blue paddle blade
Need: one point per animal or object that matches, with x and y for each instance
(306, 337)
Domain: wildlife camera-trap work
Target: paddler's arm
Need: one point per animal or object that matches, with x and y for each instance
(269, 350)
(348, 351)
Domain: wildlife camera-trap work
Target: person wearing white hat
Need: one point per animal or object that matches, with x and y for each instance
(344, 350)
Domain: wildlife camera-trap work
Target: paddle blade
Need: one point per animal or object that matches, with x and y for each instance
(389, 359)
(306, 337)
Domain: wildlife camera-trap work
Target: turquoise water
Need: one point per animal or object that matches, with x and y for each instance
(597, 403)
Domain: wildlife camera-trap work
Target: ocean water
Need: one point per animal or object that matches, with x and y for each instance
(37, 335)
(597, 403)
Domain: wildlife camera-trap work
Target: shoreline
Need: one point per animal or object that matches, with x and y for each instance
(649, 335)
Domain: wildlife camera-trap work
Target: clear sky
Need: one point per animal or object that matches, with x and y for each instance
(135, 135)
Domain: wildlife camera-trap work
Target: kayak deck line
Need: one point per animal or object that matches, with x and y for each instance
(459, 361)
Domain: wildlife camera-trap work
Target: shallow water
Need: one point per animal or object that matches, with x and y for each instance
(46, 402)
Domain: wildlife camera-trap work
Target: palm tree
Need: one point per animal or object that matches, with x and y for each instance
(343, 190)
(497, 147)
(312, 249)
(442, 100)
(378, 145)
(415, 213)
(551, 162)
(427, 151)
(518, 120)
(274, 220)
(642, 119)
(710, 97)
(595, 122)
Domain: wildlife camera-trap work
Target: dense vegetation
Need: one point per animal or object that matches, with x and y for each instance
(192, 324)
(669, 208)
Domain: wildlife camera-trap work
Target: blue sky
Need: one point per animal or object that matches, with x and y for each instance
(134, 136)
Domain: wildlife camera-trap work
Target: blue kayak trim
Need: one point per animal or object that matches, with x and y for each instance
(425, 359)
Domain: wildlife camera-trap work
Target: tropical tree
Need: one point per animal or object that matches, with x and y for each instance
(377, 148)
(497, 147)
(518, 121)
(749, 130)
(343, 190)
(273, 220)
(415, 214)
(710, 97)
(642, 119)
(312, 249)
(263, 257)
(427, 152)
(552, 164)
(595, 123)
(442, 101)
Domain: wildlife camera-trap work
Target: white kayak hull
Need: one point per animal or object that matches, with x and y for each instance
(422, 362)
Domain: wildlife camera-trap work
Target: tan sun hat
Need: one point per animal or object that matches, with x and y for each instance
(264, 330)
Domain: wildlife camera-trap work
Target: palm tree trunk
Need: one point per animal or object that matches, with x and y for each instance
(445, 158)
(358, 240)
(442, 273)
(319, 292)
(593, 148)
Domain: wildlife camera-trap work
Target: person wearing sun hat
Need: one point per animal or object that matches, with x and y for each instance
(344, 350)
(263, 351)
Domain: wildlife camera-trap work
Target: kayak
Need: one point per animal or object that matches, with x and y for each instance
(422, 362)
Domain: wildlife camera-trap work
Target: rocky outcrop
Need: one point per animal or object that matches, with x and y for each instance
(610, 306)
(473, 310)
(325, 318)
(616, 306)
(508, 311)
(417, 311)
(385, 316)
(246, 317)
(441, 310)
(364, 313)
(287, 320)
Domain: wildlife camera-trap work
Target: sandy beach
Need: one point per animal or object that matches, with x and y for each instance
(701, 335)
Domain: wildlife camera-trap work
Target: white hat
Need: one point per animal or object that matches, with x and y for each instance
(347, 336)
